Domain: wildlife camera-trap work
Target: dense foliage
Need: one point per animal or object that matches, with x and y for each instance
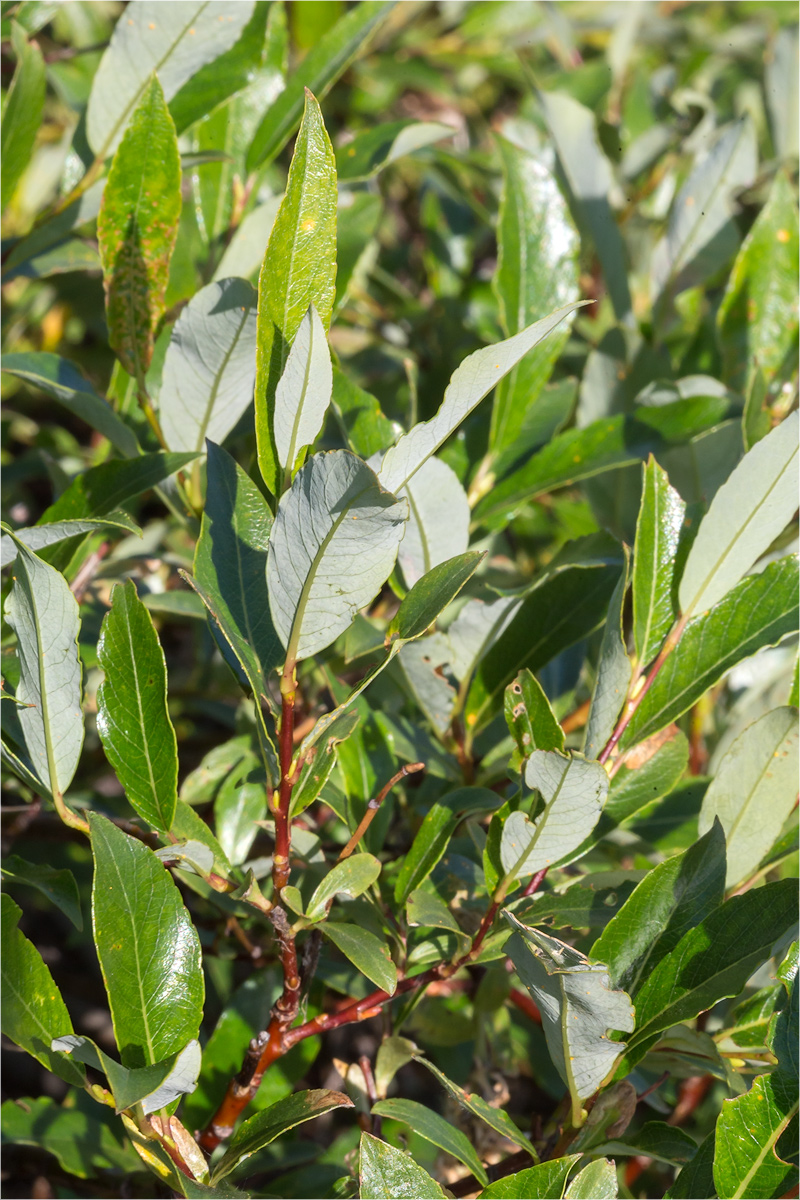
(399, 624)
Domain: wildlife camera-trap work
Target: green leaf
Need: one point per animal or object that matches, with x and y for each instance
(760, 611)
(137, 228)
(366, 428)
(746, 1159)
(590, 903)
(656, 1139)
(189, 827)
(22, 111)
(44, 615)
(543, 1182)
(348, 878)
(85, 1138)
(316, 774)
(393, 1053)
(670, 900)
(265, 1126)
(756, 323)
(177, 605)
(658, 530)
(369, 152)
(333, 545)
(357, 221)
(59, 886)
(469, 383)
(175, 42)
(431, 594)
(366, 952)
(561, 610)
(435, 1129)
(754, 790)
(746, 515)
(299, 270)
(574, 792)
(322, 66)
(537, 271)
(575, 454)
(386, 1173)
(711, 961)
(39, 537)
(695, 1179)
(132, 716)
(430, 843)
(438, 520)
(614, 670)
(529, 717)
(60, 379)
(578, 1007)
(588, 174)
(236, 810)
(209, 369)
(476, 1106)
(426, 909)
(153, 1087)
(701, 235)
(33, 1012)
(598, 1181)
(148, 948)
(230, 563)
(44, 247)
(100, 490)
(302, 395)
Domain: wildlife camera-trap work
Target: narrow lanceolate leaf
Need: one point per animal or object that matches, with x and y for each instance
(543, 1182)
(754, 790)
(701, 235)
(176, 41)
(760, 611)
(265, 1126)
(38, 537)
(365, 951)
(148, 948)
(476, 1106)
(670, 900)
(322, 66)
(614, 671)
(349, 878)
(537, 271)
(62, 380)
(22, 112)
(386, 1173)
(42, 611)
(98, 491)
(333, 545)
(132, 716)
(757, 320)
(58, 885)
(427, 848)
(746, 515)
(303, 394)
(33, 1012)
(369, 152)
(136, 230)
(435, 1129)
(209, 369)
(658, 529)
(469, 383)
(588, 173)
(438, 520)
(578, 1007)
(711, 961)
(747, 1165)
(431, 594)
(299, 270)
(230, 563)
(574, 792)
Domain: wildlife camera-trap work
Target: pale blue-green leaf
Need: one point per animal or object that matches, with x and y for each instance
(245, 251)
(478, 625)
(746, 515)
(470, 382)
(393, 1053)
(614, 672)
(438, 520)
(422, 663)
(597, 1181)
(38, 537)
(333, 545)
(754, 790)
(153, 1087)
(189, 855)
(174, 41)
(303, 393)
(210, 367)
(577, 1004)
(44, 614)
(348, 878)
(369, 152)
(60, 379)
(780, 84)
(574, 792)
(386, 1173)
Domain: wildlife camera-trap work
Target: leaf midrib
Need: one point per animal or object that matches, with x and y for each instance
(217, 381)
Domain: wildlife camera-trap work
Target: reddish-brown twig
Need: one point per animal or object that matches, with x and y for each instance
(374, 805)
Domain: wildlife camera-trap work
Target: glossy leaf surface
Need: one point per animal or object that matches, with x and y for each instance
(434, 1129)
(386, 1173)
(348, 878)
(366, 952)
(546, 1181)
(265, 1126)
(658, 531)
(614, 670)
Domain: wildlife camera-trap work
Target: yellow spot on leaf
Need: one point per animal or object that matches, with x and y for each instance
(783, 235)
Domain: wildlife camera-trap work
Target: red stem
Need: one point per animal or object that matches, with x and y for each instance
(630, 708)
